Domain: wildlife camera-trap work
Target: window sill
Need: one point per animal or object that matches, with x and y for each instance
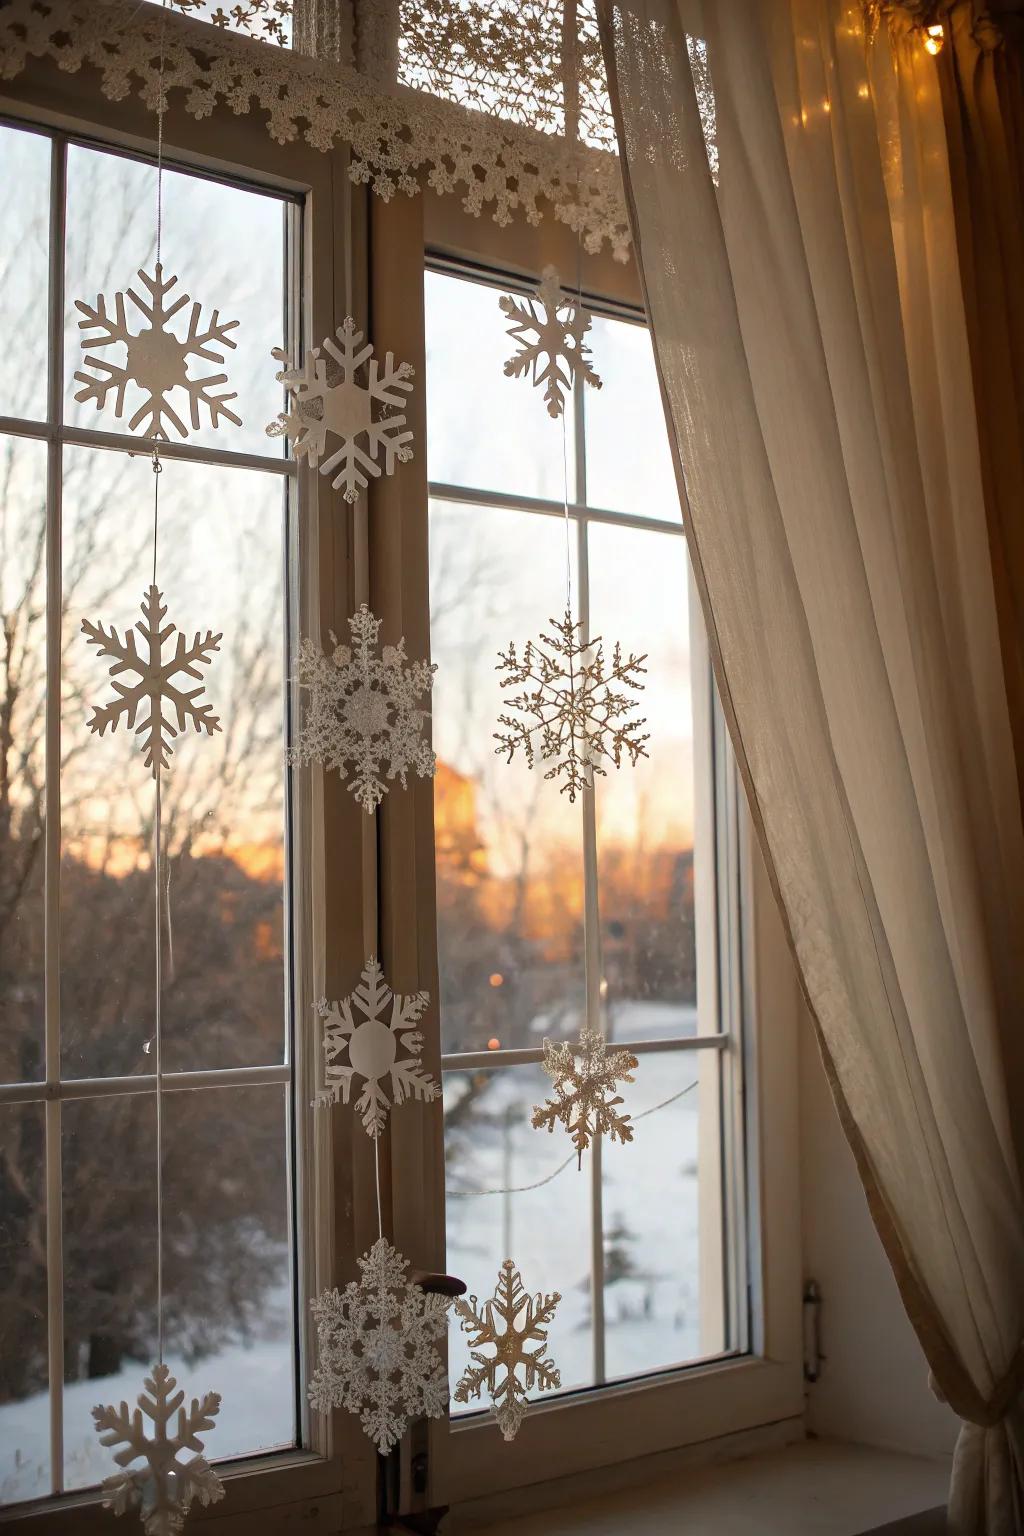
(261, 1495)
(810, 1488)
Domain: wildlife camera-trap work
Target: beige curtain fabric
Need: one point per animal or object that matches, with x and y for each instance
(810, 334)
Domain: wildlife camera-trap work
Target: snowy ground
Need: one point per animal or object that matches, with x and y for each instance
(257, 1412)
(652, 1313)
(650, 1211)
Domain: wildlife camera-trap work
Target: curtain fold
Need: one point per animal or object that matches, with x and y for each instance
(813, 352)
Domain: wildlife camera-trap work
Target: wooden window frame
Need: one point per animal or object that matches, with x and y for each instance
(368, 886)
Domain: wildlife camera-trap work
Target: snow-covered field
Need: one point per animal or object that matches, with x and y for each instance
(257, 1411)
(649, 1197)
(652, 1301)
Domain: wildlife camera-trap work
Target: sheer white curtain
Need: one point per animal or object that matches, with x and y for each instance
(809, 328)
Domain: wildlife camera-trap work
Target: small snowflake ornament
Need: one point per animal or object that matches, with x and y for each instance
(364, 711)
(372, 1046)
(585, 1102)
(549, 330)
(163, 1486)
(511, 1321)
(571, 701)
(154, 687)
(156, 359)
(378, 1348)
(337, 404)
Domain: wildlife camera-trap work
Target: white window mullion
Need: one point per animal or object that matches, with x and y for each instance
(591, 909)
(54, 481)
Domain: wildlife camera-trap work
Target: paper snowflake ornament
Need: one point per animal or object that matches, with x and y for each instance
(378, 1348)
(549, 329)
(163, 1486)
(154, 689)
(368, 419)
(573, 704)
(511, 1321)
(156, 359)
(364, 713)
(372, 1045)
(585, 1078)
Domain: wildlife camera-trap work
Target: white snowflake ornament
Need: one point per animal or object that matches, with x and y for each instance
(364, 711)
(511, 1321)
(585, 1078)
(156, 359)
(570, 699)
(378, 1348)
(368, 418)
(549, 329)
(372, 1046)
(154, 688)
(163, 1486)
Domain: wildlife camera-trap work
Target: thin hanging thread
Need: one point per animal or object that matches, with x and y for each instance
(157, 851)
(522, 1189)
(376, 1171)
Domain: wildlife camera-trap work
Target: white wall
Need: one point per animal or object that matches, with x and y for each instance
(874, 1383)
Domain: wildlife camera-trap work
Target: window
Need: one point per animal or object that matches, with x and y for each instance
(618, 910)
(77, 1090)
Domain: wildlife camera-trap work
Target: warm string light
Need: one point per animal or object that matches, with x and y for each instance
(934, 38)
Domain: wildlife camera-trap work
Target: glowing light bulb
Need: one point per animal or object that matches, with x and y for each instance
(934, 37)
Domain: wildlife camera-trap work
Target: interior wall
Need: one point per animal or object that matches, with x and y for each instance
(873, 1387)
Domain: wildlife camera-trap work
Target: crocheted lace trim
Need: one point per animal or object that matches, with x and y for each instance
(394, 131)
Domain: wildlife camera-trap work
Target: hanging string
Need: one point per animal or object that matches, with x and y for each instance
(522, 1189)
(376, 1170)
(157, 850)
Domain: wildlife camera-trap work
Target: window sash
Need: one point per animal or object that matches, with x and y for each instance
(56, 1089)
(722, 1198)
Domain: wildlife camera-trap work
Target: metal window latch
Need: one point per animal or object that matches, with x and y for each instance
(422, 1522)
(812, 1331)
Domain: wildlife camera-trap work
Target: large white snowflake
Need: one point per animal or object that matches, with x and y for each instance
(163, 1486)
(377, 1347)
(372, 1045)
(585, 1078)
(511, 1320)
(570, 700)
(336, 403)
(364, 711)
(156, 359)
(549, 328)
(154, 685)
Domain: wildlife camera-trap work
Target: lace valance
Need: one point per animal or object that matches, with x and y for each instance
(544, 159)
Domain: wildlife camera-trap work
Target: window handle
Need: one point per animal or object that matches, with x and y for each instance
(438, 1285)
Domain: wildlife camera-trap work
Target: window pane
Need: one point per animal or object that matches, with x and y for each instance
(227, 1288)
(491, 1145)
(645, 815)
(22, 752)
(484, 429)
(221, 568)
(657, 1227)
(224, 244)
(629, 462)
(508, 844)
(24, 1401)
(24, 275)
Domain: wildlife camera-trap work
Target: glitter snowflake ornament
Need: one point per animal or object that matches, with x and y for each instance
(364, 712)
(163, 1486)
(585, 1078)
(549, 329)
(154, 689)
(368, 419)
(510, 1322)
(572, 702)
(156, 359)
(372, 1046)
(378, 1348)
